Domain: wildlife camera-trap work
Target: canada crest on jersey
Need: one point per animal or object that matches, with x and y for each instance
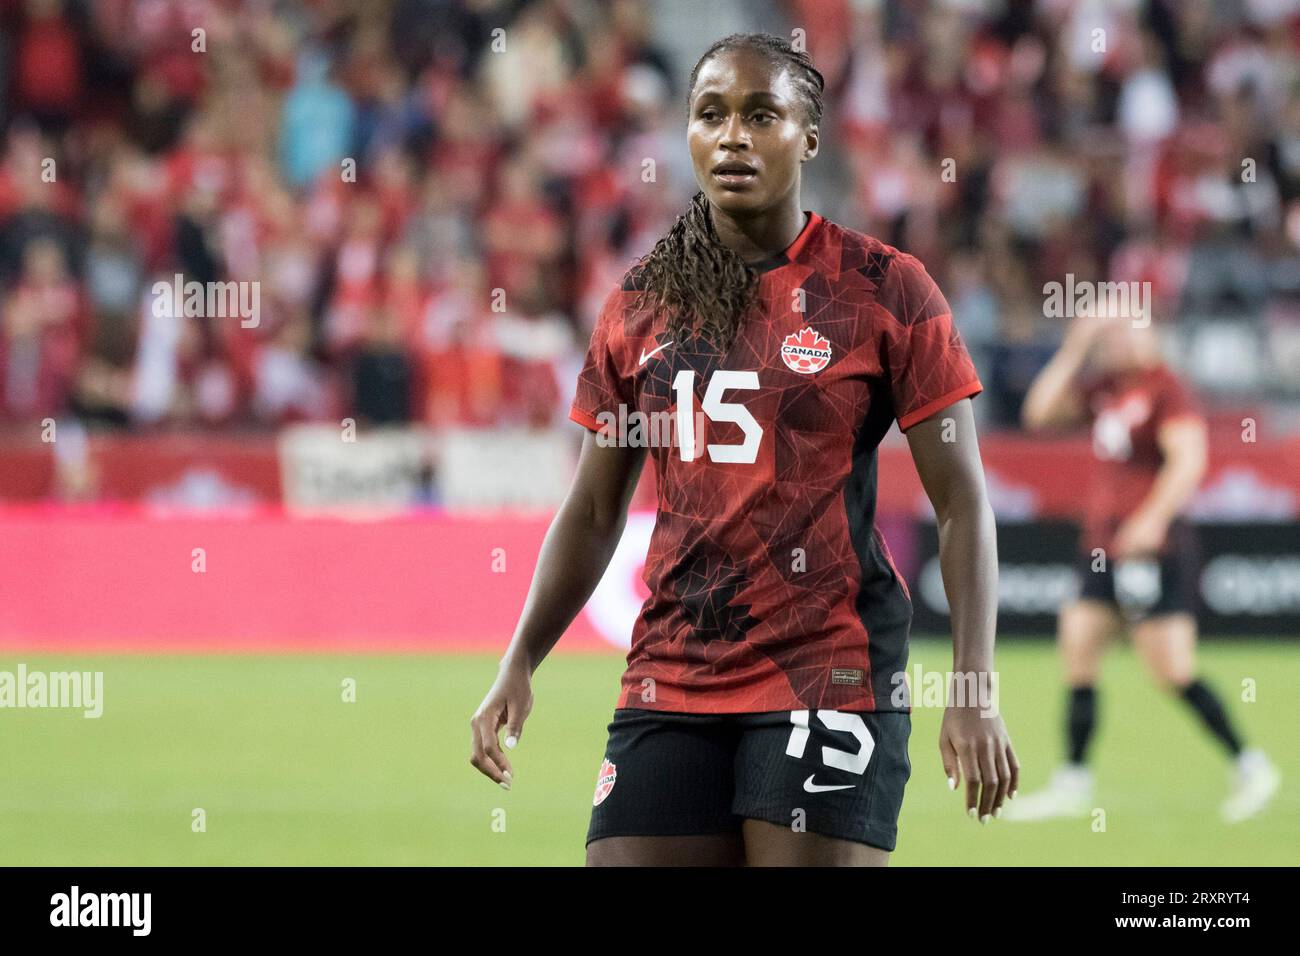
(604, 782)
(806, 351)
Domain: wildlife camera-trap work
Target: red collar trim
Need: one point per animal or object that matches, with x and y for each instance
(801, 240)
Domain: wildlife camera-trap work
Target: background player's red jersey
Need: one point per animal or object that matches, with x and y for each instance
(1126, 413)
(770, 587)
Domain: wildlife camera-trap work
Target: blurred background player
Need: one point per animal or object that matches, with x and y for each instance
(1139, 555)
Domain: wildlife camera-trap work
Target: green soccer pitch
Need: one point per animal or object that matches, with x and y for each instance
(286, 772)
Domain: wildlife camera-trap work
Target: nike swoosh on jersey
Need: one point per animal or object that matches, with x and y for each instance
(821, 788)
(645, 356)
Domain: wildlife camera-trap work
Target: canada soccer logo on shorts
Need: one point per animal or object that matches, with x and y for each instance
(604, 782)
(806, 351)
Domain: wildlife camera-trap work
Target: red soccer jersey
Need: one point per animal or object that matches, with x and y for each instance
(1126, 413)
(770, 587)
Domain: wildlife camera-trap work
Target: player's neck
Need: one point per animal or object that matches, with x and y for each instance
(762, 236)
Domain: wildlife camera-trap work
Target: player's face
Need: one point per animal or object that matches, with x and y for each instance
(747, 132)
(1122, 346)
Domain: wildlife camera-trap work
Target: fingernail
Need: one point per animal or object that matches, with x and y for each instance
(984, 819)
(972, 813)
(505, 784)
(508, 775)
(997, 814)
(952, 783)
(511, 742)
(1013, 794)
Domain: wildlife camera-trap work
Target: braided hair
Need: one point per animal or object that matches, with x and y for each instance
(701, 285)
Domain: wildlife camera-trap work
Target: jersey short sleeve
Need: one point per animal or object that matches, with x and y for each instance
(601, 385)
(928, 365)
(1174, 400)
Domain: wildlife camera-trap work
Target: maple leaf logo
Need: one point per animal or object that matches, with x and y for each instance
(604, 782)
(806, 351)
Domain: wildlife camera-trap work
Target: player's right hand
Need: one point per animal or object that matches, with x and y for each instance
(507, 705)
(1083, 331)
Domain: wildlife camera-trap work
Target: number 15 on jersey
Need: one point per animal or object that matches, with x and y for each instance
(746, 453)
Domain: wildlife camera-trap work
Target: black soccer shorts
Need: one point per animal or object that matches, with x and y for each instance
(1143, 588)
(837, 773)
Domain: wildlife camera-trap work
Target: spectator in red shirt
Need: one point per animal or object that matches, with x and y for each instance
(47, 65)
(44, 327)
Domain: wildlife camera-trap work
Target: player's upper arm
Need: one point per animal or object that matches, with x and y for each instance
(607, 473)
(1184, 441)
(1181, 430)
(604, 482)
(946, 451)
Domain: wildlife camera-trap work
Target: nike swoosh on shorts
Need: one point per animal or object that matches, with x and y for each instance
(822, 788)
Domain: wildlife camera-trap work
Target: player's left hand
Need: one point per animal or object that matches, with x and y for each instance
(974, 743)
(1140, 535)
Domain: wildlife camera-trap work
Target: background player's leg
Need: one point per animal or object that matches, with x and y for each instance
(1084, 629)
(768, 844)
(712, 849)
(1167, 645)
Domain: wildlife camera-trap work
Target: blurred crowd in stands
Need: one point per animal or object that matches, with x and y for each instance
(435, 209)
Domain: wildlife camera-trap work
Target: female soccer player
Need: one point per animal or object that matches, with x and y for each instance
(1138, 560)
(763, 718)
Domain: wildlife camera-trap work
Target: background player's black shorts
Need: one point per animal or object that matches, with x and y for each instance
(836, 773)
(1145, 587)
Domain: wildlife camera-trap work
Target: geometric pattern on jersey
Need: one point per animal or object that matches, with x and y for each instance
(770, 587)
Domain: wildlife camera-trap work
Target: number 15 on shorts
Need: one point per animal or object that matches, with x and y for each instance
(854, 763)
